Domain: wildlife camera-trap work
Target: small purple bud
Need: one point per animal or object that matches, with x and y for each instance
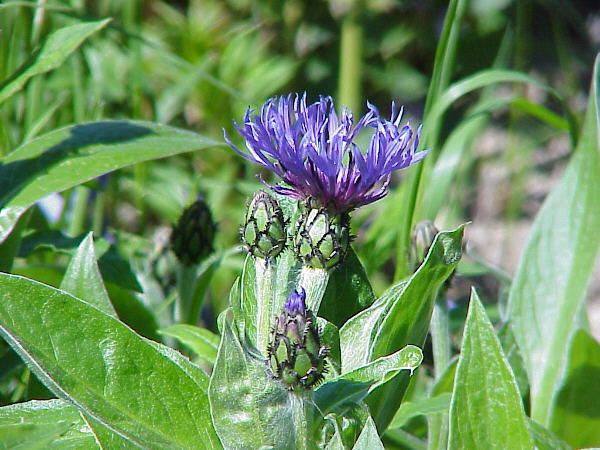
(296, 303)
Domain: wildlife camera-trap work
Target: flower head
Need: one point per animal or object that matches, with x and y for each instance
(296, 303)
(313, 150)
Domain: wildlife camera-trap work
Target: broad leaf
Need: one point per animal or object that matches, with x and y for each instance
(82, 278)
(350, 286)
(576, 417)
(354, 386)
(77, 153)
(486, 409)
(52, 54)
(549, 288)
(138, 388)
(43, 424)
(249, 410)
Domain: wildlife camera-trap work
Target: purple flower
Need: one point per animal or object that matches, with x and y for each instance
(312, 149)
(295, 304)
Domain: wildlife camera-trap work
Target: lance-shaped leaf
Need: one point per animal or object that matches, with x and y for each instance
(43, 424)
(576, 417)
(249, 409)
(486, 410)
(143, 391)
(52, 54)
(352, 387)
(400, 317)
(368, 438)
(74, 154)
(82, 278)
(549, 288)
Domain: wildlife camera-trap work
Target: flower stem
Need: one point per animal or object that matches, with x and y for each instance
(349, 88)
(314, 282)
(265, 274)
(301, 412)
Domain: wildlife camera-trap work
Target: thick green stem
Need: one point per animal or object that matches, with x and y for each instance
(265, 274)
(349, 88)
(302, 414)
(80, 208)
(186, 282)
(314, 282)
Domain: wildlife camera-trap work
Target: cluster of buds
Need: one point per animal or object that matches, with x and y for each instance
(193, 236)
(263, 233)
(296, 357)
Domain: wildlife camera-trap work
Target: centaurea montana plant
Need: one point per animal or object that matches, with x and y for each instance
(313, 150)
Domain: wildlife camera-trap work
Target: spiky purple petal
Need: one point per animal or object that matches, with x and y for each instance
(312, 149)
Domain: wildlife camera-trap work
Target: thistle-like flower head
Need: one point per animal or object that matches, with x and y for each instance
(312, 149)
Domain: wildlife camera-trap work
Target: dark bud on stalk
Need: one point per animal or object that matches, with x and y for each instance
(264, 234)
(421, 240)
(193, 236)
(323, 238)
(296, 356)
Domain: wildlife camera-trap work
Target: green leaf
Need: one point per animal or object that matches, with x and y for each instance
(43, 424)
(82, 278)
(354, 386)
(432, 405)
(144, 391)
(204, 343)
(350, 285)
(249, 410)
(486, 409)
(368, 438)
(576, 417)
(549, 288)
(74, 154)
(53, 53)
(400, 317)
(108, 438)
(544, 439)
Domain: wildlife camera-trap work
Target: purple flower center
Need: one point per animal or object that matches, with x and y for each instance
(312, 149)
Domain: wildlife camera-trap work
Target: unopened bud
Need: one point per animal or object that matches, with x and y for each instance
(421, 240)
(193, 236)
(323, 238)
(296, 357)
(264, 234)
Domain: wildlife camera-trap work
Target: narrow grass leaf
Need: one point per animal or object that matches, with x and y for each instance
(204, 343)
(77, 153)
(137, 388)
(53, 53)
(486, 409)
(549, 288)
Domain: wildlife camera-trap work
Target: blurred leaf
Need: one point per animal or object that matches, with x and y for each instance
(354, 386)
(77, 153)
(248, 409)
(426, 406)
(368, 438)
(204, 343)
(82, 278)
(348, 285)
(549, 288)
(10, 247)
(132, 311)
(576, 417)
(53, 53)
(486, 409)
(102, 366)
(43, 424)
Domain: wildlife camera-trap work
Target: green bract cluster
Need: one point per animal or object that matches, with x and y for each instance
(192, 238)
(263, 233)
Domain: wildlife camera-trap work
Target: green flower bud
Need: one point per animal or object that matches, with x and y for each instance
(323, 238)
(264, 234)
(193, 236)
(296, 357)
(421, 240)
